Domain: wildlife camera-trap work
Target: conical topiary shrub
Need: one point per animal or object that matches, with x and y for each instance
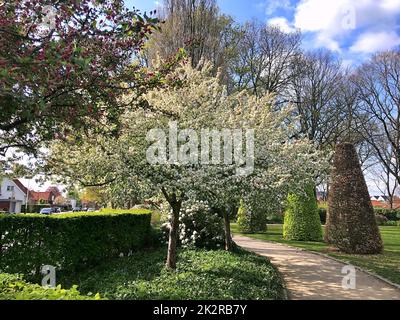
(351, 224)
(251, 221)
(302, 222)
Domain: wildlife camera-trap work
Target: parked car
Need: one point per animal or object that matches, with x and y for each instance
(77, 209)
(46, 211)
(91, 210)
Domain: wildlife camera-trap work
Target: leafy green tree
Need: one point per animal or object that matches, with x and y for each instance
(302, 222)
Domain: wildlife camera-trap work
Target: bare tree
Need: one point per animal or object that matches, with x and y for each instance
(317, 83)
(195, 25)
(263, 57)
(385, 182)
(378, 83)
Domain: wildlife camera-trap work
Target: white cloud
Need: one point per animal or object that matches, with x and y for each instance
(325, 41)
(352, 28)
(333, 16)
(316, 15)
(333, 21)
(393, 5)
(273, 5)
(282, 23)
(371, 42)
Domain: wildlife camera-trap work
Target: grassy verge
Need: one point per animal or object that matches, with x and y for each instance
(200, 274)
(386, 264)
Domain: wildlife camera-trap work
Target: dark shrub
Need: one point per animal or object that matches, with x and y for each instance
(390, 214)
(381, 220)
(322, 215)
(302, 222)
(390, 223)
(351, 224)
(276, 218)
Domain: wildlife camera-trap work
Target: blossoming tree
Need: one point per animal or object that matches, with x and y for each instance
(63, 63)
(245, 149)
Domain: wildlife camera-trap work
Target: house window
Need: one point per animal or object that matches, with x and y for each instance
(10, 188)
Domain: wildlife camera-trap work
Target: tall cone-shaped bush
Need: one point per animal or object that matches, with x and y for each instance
(302, 222)
(251, 221)
(351, 225)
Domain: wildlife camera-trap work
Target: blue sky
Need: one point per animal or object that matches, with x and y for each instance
(352, 28)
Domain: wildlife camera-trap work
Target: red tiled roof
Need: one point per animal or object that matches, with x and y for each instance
(385, 205)
(36, 196)
(376, 203)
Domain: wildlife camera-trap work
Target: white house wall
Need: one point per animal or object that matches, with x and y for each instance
(17, 194)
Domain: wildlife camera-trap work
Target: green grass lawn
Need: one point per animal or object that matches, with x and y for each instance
(386, 265)
(200, 274)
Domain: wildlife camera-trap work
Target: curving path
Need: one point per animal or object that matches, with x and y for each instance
(310, 276)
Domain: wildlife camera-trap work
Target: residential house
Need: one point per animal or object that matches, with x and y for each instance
(44, 197)
(380, 198)
(12, 195)
(383, 202)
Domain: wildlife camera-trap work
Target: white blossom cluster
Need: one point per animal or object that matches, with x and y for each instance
(199, 226)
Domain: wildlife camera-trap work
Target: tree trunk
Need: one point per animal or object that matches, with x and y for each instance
(173, 234)
(227, 229)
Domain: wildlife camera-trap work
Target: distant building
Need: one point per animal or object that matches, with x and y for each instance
(14, 195)
(43, 197)
(380, 198)
(384, 202)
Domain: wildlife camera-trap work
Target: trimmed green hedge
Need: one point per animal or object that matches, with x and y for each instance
(390, 214)
(69, 242)
(302, 221)
(14, 287)
(251, 221)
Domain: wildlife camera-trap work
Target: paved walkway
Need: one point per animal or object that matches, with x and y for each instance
(310, 276)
